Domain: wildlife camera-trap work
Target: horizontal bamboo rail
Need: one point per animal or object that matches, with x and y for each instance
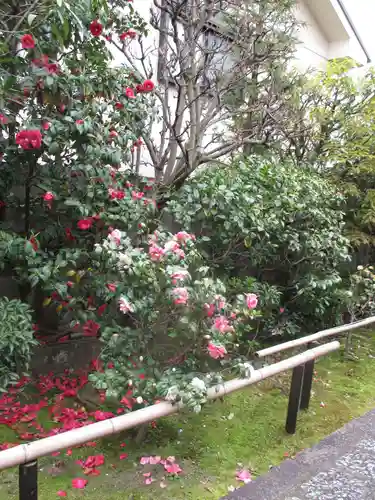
(337, 330)
(25, 453)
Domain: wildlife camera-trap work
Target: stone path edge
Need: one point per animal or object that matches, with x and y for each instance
(281, 479)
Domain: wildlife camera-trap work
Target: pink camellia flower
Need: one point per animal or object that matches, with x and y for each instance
(27, 41)
(221, 324)
(281, 310)
(29, 139)
(180, 295)
(171, 246)
(45, 125)
(124, 305)
(180, 275)
(183, 236)
(137, 195)
(148, 86)
(113, 134)
(251, 300)
(129, 93)
(3, 119)
(179, 253)
(156, 253)
(115, 236)
(215, 351)
(79, 483)
(80, 121)
(210, 309)
(84, 224)
(61, 493)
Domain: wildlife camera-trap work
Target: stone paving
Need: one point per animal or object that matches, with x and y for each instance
(341, 467)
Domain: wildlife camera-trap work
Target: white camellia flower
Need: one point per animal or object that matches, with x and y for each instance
(199, 384)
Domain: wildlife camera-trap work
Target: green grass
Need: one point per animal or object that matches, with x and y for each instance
(208, 446)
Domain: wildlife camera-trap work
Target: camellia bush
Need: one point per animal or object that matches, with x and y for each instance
(282, 226)
(76, 218)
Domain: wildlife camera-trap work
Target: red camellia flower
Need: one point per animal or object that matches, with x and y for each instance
(139, 88)
(148, 86)
(80, 122)
(45, 125)
(91, 328)
(119, 105)
(84, 224)
(129, 93)
(53, 68)
(49, 197)
(29, 139)
(96, 28)
(3, 119)
(34, 243)
(27, 41)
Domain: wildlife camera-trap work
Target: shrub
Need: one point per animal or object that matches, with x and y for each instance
(278, 223)
(167, 328)
(16, 340)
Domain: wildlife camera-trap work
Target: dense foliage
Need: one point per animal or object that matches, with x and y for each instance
(16, 340)
(280, 224)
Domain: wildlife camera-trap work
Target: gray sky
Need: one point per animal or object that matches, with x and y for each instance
(363, 14)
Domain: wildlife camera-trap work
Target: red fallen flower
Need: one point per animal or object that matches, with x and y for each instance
(111, 287)
(27, 41)
(96, 28)
(123, 456)
(119, 105)
(102, 415)
(129, 93)
(94, 461)
(80, 122)
(29, 139)
(113, 133)
(148, 86)
(88, 471)
(79, 483)
(84, 224)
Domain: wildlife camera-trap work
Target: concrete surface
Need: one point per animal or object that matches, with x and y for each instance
(341, 467)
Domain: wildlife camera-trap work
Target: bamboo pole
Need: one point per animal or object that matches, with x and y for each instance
(315, 336)
(24, 453)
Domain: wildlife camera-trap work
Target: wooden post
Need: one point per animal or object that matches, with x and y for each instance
(294, 399)
(28, 481)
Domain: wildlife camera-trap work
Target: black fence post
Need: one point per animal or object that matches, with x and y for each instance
(294, 399)
(28, 481)
(306, 385)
